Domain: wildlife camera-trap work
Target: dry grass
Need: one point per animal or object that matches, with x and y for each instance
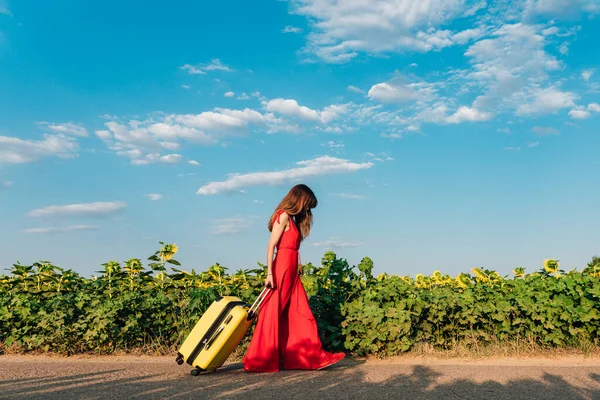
(520, 348)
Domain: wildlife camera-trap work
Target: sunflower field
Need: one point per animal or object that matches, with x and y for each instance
(151, 306)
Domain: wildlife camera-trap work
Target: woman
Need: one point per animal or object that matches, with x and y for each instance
(286, 336)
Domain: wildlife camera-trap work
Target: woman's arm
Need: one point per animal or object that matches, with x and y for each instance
(276, 232)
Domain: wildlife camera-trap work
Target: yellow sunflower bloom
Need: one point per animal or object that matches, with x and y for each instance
(551, 265)
(168, 251)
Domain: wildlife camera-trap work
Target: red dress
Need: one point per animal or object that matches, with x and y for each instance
(286, 336)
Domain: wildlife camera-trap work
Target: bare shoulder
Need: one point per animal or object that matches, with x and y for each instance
(283, 217)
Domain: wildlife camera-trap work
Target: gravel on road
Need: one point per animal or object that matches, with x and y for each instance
(144, 377)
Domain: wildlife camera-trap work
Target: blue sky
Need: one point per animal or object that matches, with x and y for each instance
(436, 134)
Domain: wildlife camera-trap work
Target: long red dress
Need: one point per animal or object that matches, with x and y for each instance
(286, 336)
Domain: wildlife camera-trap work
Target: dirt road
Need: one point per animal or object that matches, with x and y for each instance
(30, 377)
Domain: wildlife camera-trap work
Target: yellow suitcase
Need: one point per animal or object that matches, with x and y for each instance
(218, 332)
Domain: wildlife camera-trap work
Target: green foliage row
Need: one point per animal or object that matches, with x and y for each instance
(129, 307)
(549, 307)
(43, 307)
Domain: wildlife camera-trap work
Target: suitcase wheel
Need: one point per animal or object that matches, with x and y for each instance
(196, 371)
(179, 359)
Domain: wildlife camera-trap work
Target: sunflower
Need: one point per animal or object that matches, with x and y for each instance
(480, 276)
(168, 251)
(519, 272)
(463, 280)
(551, 265)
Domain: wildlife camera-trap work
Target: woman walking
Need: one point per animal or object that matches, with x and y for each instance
(286, 335)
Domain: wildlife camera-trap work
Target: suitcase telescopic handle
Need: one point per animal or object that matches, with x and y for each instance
(258, 302)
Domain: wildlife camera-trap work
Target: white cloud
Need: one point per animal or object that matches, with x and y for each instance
(394, 135)
(229, 94)
(82, 210)
(333, 129)
(509, 66)
(553, 30)
(365, 114)
(545, 130)
(171, 158)
(243, 96)
(595, 107)
(412, 128)
(334, 146)
(324, 165)
(5, 11)
(17, 151)
(579, 114)
(414, 99)
(132, 134)
(564, 48)
(291, 29)
(334, 243)
(5, 184)
(468, 114)
(385, 92)
(154, 196)
(587, 74)
(228, 226)
(68, 128)
(559, 8)
(143, 141)
(193, 162)
(438, 39)
(332, 112)
(222, 119)
(546, 101)
(170, 145)
(510, 70)
(350, 196)
(355, 89)
(533, 144)
(152, 158)
(104, 135)
(201, 69)
(435, 114)
(582, 113)
(170, 130)
(480, 5)
(137, 159)
(277, 124)
(291, 108)
(185, 86)
(343, 29)
(69, 228)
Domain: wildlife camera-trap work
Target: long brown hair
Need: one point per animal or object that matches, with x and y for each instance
(298, 204)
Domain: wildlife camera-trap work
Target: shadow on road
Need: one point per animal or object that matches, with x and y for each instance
(347, 380)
